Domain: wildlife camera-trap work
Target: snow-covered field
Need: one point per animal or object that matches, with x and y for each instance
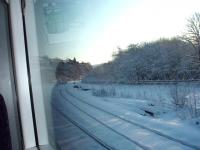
(159, 99)
(130, 117)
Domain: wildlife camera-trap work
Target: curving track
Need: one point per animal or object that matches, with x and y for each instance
(83, 129)
(188, 145)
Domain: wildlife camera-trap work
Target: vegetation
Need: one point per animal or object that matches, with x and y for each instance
(165, 59)
(192, 34)
(64, 70)
(186, 101)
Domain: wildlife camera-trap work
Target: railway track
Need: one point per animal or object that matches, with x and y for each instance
(75, 123)
(105, 125)
(166, 81)
(151, 82)
(132, 122)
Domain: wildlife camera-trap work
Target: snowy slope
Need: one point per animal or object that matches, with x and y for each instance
(120, 122)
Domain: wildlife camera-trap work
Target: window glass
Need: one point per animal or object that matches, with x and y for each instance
(119, 74)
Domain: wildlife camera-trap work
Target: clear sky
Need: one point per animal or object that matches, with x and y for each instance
(97, 27)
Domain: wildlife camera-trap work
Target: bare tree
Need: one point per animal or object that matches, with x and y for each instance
(193, 32)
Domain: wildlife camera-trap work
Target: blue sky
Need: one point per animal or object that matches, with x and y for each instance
(95, 28)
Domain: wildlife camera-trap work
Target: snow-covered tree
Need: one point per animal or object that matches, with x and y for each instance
(192, 34)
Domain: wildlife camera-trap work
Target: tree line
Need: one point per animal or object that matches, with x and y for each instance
(177, 58)
(71, 70)
(64, 70)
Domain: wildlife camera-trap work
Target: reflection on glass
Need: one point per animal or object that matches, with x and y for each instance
(120, 74)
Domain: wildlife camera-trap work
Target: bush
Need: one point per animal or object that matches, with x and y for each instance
(104, 92)
(179, 96)
(186, 102)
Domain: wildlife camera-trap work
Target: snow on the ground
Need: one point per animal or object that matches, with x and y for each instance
(156, 97)
(108, 136)
(68, 136)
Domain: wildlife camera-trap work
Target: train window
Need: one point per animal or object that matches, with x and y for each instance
(10, 136)
(115, 74)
